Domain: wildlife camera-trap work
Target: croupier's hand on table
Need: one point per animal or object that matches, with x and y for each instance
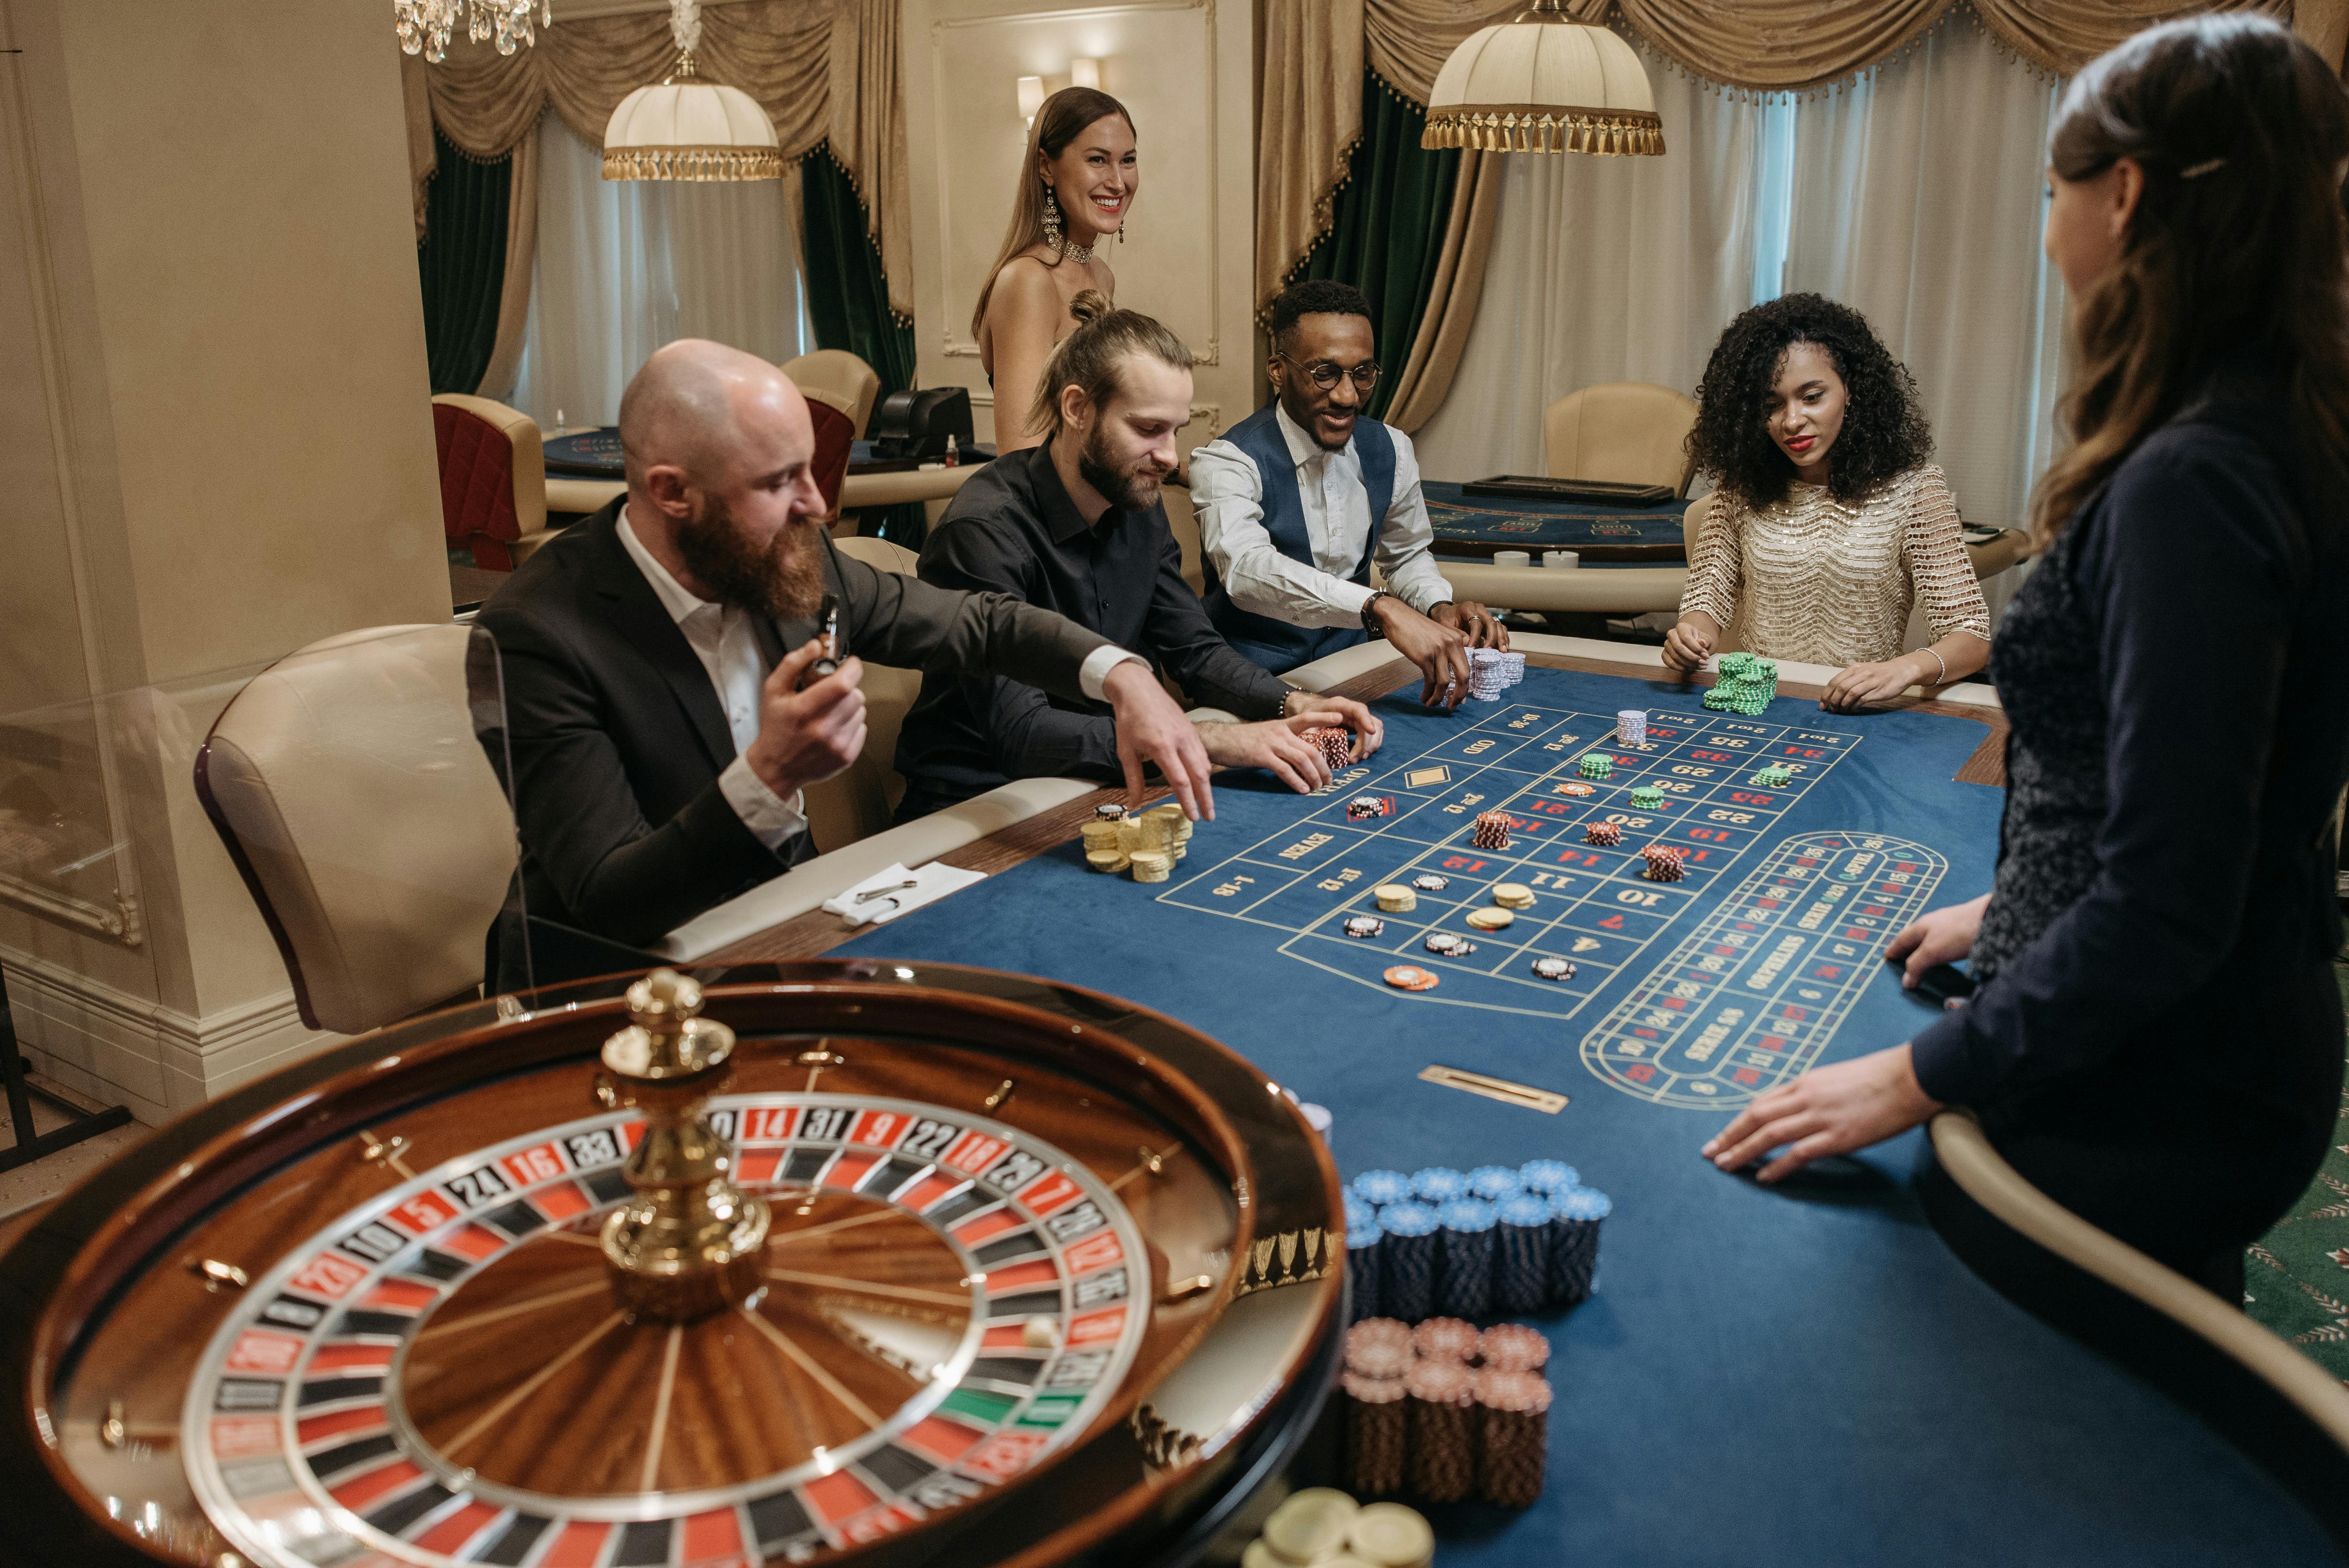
(1828, 1110)
(1940, 936)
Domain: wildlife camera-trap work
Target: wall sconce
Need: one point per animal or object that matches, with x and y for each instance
(1085, 74)
(1031, 98)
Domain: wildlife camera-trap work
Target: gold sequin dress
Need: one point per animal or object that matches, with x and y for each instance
(1826, 582)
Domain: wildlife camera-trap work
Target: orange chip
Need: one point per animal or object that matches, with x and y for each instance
(1411, 977)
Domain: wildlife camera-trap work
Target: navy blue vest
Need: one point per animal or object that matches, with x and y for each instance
(1276, 644)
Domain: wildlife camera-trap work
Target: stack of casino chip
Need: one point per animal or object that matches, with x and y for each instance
(1363, 1234)
(1631, 726)
(1647, 797)
(1577, 788)
(1334, 742)
(1606, 835)
(1664, 863)
(1463, 1268)
(1444, 1411)
(1512, 895)
(1595, 764)
(1488, 673)
(1513, 1440)
(1515, 665)
(1491, 1240)
(1575, 1218)
(1742, 684)
(1407, 1259)
(1394, 898)
(1772, 777)
(1321, 1527)
(1491, 830)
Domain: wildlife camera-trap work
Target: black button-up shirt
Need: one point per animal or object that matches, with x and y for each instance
(1012, 528)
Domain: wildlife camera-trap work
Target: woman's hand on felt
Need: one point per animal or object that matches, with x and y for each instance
(1938, 936)
(1856, 686)
(1828, 1110)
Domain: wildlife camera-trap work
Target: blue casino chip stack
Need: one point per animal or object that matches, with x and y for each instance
(1438, 1184)
(1363, 1234)
(1521, 1250)
(1463, 1277)
(1379, 1188)
(1493, 1182)
(1407, 1261)
(1546, 1176)
(1574, 1229)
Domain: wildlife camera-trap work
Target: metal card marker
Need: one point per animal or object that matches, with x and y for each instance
(1502, 1090)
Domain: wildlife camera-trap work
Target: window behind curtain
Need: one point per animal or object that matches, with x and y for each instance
(625, 265)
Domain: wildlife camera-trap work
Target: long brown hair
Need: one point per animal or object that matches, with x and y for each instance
(1058, 122)
(1092, 357)
(2236, 244)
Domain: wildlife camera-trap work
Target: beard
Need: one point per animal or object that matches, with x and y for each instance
(1132, 488)
(784, 580)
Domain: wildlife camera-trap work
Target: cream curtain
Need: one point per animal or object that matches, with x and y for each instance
(625, 267)
(821, 68)
(1918, 199)
(1603, 269)
(1312, 115)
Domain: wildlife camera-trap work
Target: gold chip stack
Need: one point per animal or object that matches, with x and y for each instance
(1153, 865)
(1394, 898)
(1513, 895)
(1105, 848)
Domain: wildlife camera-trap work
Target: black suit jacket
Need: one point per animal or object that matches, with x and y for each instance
(617, 736)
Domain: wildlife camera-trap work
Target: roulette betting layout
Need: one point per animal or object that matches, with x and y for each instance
(842, 1262)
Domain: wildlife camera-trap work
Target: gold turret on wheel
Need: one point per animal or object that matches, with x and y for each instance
(690, 1243)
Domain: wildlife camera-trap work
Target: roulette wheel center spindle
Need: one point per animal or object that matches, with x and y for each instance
(688, 1242)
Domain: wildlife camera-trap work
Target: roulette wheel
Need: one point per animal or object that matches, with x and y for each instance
(821, 1261)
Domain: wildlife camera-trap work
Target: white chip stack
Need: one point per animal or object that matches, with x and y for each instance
(1488, 673)
(1321, 1527)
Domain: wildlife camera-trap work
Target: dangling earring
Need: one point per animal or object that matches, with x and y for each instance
(1051, 220)
(1121, 223)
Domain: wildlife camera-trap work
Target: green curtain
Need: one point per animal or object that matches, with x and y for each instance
(463, 264)
(1388, 232)
(848, 293)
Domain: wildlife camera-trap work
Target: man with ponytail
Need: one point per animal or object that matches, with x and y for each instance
(1076, 525)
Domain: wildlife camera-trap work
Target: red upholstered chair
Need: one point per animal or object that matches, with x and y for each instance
(852, 384)
(835, 433)
(492, 479)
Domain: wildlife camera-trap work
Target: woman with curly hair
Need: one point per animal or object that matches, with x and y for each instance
(1829, 521)
(2155, 1034)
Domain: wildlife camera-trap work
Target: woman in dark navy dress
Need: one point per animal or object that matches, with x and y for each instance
(2156, 1041)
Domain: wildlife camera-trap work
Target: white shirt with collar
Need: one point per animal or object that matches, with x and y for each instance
(1228, 492)
(722, 638)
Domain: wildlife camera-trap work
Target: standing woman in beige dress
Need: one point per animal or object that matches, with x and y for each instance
(1827, 521)
(1076, 188)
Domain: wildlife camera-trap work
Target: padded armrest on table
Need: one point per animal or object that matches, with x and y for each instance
(808, 884)
(915, 484)
(1628, 590)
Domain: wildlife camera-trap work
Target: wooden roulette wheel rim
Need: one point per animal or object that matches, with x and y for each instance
(108, 1320)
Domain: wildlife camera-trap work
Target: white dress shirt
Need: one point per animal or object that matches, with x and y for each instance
(1228, 493)
(722, 638)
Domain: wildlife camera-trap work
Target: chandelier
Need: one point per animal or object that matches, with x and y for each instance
(1544, 83)
(424, 25)
(688, 128)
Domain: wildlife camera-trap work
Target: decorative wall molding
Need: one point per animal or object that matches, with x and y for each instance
(127, 1050)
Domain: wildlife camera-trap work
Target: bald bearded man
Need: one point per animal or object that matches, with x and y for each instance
(653, 657)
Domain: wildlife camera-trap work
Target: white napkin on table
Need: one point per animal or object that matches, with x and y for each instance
(891, 900)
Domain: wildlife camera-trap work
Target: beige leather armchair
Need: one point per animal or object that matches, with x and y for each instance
(492, 479)
(1632, 432)
(859, 802)
(349, 787)
(849, 384)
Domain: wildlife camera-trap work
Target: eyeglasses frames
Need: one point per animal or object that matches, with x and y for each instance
(1324, 374)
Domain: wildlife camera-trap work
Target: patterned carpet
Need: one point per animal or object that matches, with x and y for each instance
(2296, 1277)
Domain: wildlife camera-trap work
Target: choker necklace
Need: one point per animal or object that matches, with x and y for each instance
(1077, 253)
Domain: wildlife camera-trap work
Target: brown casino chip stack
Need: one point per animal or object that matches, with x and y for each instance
(1376, 1434)
(1452, 1340)
(1440, 1415)
(1663, 862)
(1491, 830)
(1606, 835)
(1514, 1449)
(1335, 745)
(1514, 1348)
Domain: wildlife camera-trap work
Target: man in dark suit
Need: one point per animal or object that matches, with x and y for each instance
(654, 654)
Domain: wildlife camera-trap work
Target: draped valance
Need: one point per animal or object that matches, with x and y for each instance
(822, 71)
(1315, 51)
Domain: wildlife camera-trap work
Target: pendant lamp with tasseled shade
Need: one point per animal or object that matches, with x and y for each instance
(1544, 83)
(688, 129)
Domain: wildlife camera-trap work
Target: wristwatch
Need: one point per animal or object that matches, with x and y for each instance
(1370, 616)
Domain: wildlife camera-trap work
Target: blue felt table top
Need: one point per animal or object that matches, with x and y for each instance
(1514, 522)
(1803, 1374)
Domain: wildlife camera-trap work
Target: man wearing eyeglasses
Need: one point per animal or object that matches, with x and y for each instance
(1297, 500)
